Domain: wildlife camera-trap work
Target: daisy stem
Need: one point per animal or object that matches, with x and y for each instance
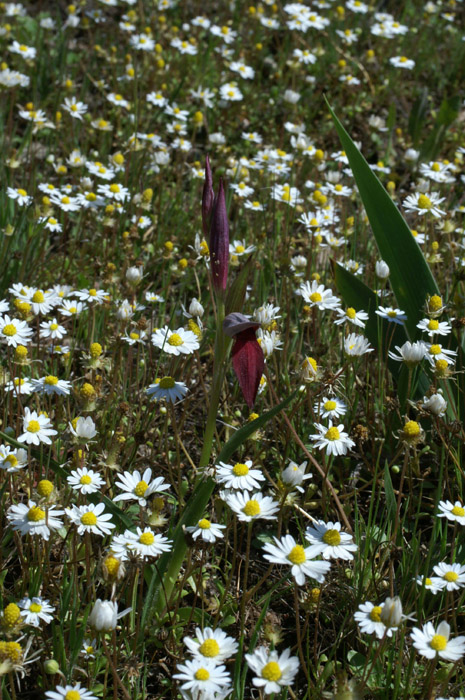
(246, 573)
(218, 371)
(299, 635)
(116, 679)
(429, 687)
(12, 686)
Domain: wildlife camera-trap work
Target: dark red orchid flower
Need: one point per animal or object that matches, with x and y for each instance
(219, 241)
(247, 356)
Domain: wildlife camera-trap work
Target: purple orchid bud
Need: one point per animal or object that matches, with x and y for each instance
(248, 363)
(219, 241)
(236, 322)
(207, 196)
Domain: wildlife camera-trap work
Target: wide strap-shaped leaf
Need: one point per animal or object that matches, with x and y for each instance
(411, 278)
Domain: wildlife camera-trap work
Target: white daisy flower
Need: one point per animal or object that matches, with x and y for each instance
(37, 428)
(31, 520)
(167, 388)
(451, 511)
(134, 337)
(424, 204)
(433, 327)
(329, 541)
(14, 332)
(175, 342)
(435, 352)
(316, 295)
(85, 480)
(69, 692)
(211, 644)
(368, 617)
(146, 543)
(294, 475)
(331, 407)
(358, 318)
(20, 195)
(206, 530)
(202, 677)
(301, 559)
(332, 438)
(50, 385)
(71, 308)
(391, 314)
(239, 476)
(91, 518)
(239, 248)
(153, 298)
(19, 386)
(137, 488)
(251, 506)
(449, 576)
(88, 648)
(52, 329)
(273, 671)
(428, 584)
(91, 295)
(410, 353)
(356, 345)
(433, 642)
(402, 62)
(83, 428)
(435, 404)
(74, 107)
(34, 610)
(12, 459)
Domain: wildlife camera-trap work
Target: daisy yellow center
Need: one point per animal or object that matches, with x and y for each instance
(147, 538)
(332, 537)
(441, 365)
(329, 405)
(175, 340)
(240, 249)
(297, 555)
(92, 292)
(35, 514)
(428, 582)
(436, 167)
(23, 47)
(204, 524)
(114, 188)
(375, 614)
(392, 314)
(72, 309)
(201, 674)
(167, 383)
(435, 350)
(44, 488)
(90, 650)
(65, 200)
(332, 434)
(51, 380)
(22, 193)
(350, 313)
(424, 202)
(89, 519)
(141, 488)
(73, 695)
(315, 297)
(451, 576)
(433, 325)
(12, 460)
(9, 330)
(11, 650)
(458, 510)
(312, 362)
(438, 643)
(251, 508)
(33, 426)
(271, 671)
(209, 648)
(112, 565)
(38, 298)
(53, 326)
(240, 469)
(411, 429)
(35, 608)
(134, 336)
(85, 479)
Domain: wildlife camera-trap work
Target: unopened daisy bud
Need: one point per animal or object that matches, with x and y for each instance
(412, 432)
(51, 667)
(45, 488)
(134, 275)
(219, 241)
(382, 270)
(147, 195)
(207, 197)
(436, 405)
(20, 354)
(10, 656)
(391, 613)
(95, 350)
(441, 369)
(196, 308)
(11, 616)
(103, 615)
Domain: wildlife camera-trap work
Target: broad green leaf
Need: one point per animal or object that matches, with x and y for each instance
(411, 278)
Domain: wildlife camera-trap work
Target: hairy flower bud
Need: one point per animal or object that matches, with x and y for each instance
(207, 196)
(382, 270)
(219, 241)
(391, 612)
